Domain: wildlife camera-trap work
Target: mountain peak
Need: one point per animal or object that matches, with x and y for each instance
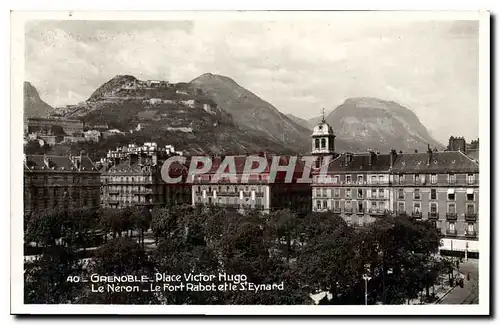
(111, 85)
(381, 124)
(34, 106)
(207, 77)
(371, 102)
(125, 77)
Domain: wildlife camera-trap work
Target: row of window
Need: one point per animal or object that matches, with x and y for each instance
(383, 179)
(433, 195)
(55, 179)
(60, 191)
(317, 143)
(45, 204)
(229, 188)
(373, 179)
(251, 177)
(231, 200)
(131, 179)
(350, 206)
(327, 192)
(433, 207)
(469, 230)
(422, 178)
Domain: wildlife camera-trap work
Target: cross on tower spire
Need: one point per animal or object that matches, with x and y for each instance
(323, 115)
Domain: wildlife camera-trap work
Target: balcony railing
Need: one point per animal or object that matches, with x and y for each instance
(348, 210)
(376, 211)
(416, 214)
(360, 211)
(145, 203)
(470, 216)
(451, 216)
(150, 191)
(333, 181)
(433, 215)
(131, 182)
(450, 232)
(471, 234)
(336, 210)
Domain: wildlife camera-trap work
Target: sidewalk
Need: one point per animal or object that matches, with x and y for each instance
(440, 291)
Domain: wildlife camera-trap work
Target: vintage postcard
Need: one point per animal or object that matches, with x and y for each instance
(315, 163)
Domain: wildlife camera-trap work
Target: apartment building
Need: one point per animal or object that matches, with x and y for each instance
(442, 187)
(63, 182)
(255, 193)
(131, 176)
(355, 186)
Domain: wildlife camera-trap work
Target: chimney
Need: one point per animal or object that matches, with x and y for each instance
(429, 155)
(392, 157)
(372, 156)
(347, 158)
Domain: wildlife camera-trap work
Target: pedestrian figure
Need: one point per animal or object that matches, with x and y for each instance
(458, 264)
(468, 276)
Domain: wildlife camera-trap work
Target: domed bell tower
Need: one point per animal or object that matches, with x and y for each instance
(323, 140)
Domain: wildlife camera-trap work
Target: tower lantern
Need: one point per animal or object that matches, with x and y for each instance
(323, 140)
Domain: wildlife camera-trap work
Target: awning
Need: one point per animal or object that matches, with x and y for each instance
(470, 191)
(451, 191)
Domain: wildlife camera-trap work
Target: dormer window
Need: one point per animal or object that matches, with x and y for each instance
(320, 127)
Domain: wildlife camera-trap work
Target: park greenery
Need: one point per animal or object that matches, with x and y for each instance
(310, 254)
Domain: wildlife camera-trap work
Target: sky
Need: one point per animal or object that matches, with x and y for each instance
(299, 66)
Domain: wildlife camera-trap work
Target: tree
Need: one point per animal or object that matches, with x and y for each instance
(33, 147)
(407, 248)
(46, 278)
(141, 220)
(283, 227)
(244, 249)
(118, 257)
(328, 260)
(56, 232)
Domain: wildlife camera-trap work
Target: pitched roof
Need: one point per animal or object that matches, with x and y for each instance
(360, 162)
(473, 154)
(38, 162)
(440, 162)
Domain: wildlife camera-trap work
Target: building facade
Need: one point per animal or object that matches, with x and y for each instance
(257, 192)
(60, 182)
(45, 126)
(131, 176)
(442, 187)
(355, 186)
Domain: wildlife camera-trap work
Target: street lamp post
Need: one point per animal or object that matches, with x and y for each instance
(366, 278)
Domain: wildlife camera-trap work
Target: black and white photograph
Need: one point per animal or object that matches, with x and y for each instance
(250, 162)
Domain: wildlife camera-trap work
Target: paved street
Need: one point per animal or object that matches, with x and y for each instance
(469, 294)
